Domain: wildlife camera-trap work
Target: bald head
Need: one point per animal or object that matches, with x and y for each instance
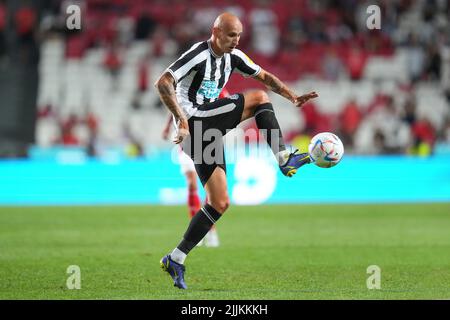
(226, 33)
(226, 20)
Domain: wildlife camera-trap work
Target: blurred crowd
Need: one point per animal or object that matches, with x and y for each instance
(395, 127)
(328, 40)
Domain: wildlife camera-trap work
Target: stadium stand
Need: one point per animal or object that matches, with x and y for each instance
(108, 68)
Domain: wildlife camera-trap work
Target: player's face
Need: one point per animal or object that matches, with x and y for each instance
(229, 37)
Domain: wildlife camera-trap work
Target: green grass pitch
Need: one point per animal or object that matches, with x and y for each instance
(267, 252)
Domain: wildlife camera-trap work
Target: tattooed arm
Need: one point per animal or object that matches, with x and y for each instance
(165, 88)
(277, 86)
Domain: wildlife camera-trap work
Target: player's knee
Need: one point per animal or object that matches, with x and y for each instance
(221, 205)
(261, 97)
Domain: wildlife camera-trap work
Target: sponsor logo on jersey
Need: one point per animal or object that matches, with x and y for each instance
(209, 89)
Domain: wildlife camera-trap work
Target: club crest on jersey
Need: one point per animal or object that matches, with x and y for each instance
(209, 89)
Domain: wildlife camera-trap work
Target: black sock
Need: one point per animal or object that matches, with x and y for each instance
(268, 124)
(200, 224)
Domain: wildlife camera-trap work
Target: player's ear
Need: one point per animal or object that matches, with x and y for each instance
(216, 32)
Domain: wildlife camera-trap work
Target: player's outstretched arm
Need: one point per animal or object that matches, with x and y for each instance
(165, 87)
(277, 86)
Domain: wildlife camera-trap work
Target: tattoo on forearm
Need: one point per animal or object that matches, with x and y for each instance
(274, 83)
(168, 97)
(277, 86)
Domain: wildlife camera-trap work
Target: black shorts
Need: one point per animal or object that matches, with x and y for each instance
(207, 127)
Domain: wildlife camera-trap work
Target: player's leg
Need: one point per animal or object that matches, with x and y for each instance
(200, 224)
(207, 216)
(194, 203)
(217, 193)
(211, 173)
(217, 190)
(257, 104)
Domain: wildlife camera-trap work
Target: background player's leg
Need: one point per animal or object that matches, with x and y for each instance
(212, 238)
(257, 104)
(206, 217)
(188, 170)
(194, 202)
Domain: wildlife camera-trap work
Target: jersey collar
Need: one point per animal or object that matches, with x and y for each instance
(215, 55)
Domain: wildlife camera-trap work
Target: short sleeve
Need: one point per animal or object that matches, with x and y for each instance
(244, 65)
(188, 60)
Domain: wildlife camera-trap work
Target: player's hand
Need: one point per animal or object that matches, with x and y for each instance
(182, 130)
(300, 100)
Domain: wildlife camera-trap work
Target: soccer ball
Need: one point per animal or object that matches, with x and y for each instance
(326, 149)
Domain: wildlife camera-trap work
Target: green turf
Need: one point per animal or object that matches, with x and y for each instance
(267, 252)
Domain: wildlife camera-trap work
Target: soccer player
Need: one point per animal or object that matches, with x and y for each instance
(189, 88)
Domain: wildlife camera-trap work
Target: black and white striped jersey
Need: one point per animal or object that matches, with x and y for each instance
(200, 74)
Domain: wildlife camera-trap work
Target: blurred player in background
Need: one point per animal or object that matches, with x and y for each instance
(190, 89)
